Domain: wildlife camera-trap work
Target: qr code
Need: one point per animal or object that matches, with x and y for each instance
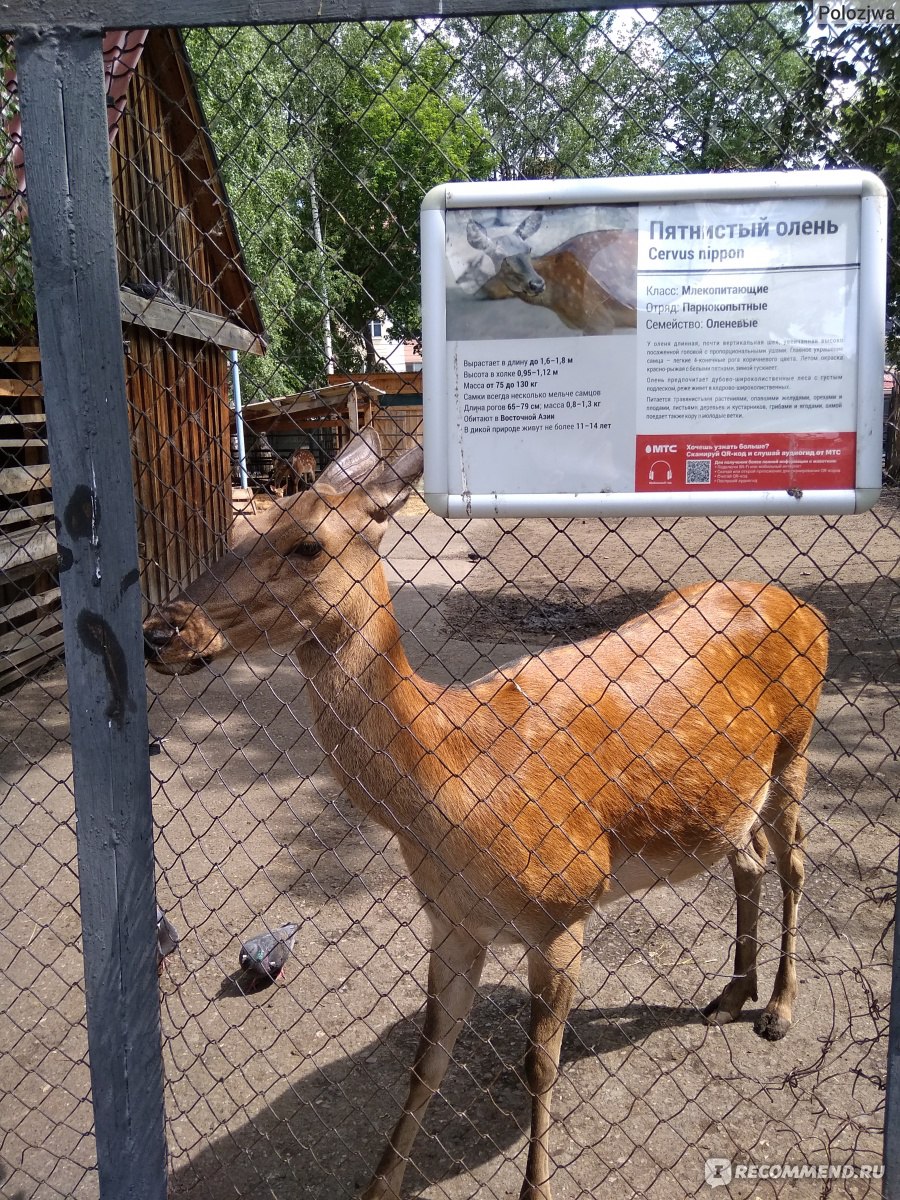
(699, 470)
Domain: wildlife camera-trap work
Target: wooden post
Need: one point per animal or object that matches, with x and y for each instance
(353, 409)
(64, 121)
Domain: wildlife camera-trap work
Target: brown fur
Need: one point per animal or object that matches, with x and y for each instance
(553, 785)
(573, 288)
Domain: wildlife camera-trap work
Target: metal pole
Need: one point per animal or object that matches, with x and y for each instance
(64, 122)
(238, 418)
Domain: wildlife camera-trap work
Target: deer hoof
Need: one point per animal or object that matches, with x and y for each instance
(717, 1014)
(771, 1026)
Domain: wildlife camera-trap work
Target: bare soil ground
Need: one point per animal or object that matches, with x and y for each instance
(289, 1091)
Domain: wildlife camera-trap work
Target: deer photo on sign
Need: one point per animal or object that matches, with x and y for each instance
(566, 271)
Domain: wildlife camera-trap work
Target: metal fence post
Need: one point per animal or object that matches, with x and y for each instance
(66, 138)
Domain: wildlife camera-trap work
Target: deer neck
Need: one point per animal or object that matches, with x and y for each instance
(364, 696)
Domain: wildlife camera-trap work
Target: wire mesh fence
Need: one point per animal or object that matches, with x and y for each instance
(266, 185)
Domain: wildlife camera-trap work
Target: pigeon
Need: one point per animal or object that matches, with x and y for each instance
(167, 938)
(265, 955)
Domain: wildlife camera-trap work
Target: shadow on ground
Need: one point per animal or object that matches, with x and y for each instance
(322, 1136)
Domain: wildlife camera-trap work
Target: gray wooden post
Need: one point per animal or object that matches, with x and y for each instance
(66, 140)
(891, 1189)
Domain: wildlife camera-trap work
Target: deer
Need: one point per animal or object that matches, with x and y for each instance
(526, 800)
(295, 473)
(589, 281)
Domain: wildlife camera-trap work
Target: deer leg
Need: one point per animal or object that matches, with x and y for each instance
(453, 973)
(748, 867)
(553, 971)
(786, 836)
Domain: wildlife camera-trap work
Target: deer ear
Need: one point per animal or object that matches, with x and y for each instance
(389, 490)
(531, 224)
(360, 459)
(479, 237)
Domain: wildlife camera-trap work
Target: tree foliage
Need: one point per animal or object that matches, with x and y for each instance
(18, 321)
(856, 86)
(367, 117)
(363, 119)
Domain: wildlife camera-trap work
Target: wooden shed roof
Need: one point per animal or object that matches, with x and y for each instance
(338, 403)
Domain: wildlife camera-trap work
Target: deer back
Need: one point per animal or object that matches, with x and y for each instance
(591, 280)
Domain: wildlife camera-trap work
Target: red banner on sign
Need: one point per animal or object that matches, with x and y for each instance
(726, 462)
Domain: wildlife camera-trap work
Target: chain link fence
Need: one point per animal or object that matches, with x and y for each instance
(266, 184)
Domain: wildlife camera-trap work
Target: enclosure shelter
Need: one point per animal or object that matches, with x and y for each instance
(186, 301)
(326, 418)
(401, 405)
(135, 1067)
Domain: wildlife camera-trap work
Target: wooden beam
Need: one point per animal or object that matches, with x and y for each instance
(353, 411)
(39, 648)
(14, 481)
(14, 354)
(25, 442)
(26, 546)
(165, 317)
(29, 604)
(28, 634)
(26, 512)
(21, 387)
(125, 14)
(392, 383)
(37, 418)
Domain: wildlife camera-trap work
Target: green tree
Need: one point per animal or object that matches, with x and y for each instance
(18, 321)
(730, 88)
(329, 137)
(400, 128)
(545, 86)
(632, 93)
(857, 88)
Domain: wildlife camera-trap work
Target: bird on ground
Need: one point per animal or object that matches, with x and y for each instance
(264, 955)
(167, 939)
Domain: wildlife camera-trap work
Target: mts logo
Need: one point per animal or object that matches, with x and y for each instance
(660, 448)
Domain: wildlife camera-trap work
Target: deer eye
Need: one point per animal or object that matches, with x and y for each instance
(307, 549)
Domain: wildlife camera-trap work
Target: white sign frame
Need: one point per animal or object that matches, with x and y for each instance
(445, 475)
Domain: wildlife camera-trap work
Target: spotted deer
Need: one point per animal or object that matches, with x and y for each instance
(589, 281)
(295, 473)
(523, 801)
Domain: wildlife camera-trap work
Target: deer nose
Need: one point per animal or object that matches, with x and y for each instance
(156, 640)
(536, 286)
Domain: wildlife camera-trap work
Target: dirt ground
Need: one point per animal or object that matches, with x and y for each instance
(289, 1092)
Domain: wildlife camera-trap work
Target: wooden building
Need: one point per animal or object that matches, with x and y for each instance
(186, 303)
(322, 419)
(399, 419)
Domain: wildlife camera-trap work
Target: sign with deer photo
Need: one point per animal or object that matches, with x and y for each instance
(654, 346)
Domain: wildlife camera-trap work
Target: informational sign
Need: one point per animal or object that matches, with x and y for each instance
(658, 346)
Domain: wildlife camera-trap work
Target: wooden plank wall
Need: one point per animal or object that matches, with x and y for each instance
(180, 425)
(171, 230)
(400, 426)
(170, 233)
(179, 416)
(30, 612)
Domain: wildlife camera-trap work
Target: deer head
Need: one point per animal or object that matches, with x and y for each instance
(511, 255)
(301, 571)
